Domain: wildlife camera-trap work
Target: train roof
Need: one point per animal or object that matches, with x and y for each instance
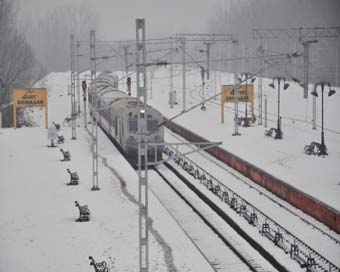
(122, 104)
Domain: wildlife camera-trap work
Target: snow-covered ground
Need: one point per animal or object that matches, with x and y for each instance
(37, 212)
(318, 177)
(38, 231)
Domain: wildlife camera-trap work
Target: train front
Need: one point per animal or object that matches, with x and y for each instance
(155, 136)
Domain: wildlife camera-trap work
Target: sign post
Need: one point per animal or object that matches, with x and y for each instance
(228, 96)
(35, 97)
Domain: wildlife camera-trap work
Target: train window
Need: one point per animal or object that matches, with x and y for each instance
(133, 125)
(152, 124)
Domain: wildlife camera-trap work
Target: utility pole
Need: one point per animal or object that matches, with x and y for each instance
(142, 147)
(171, 94)
(306, 45)
(205, 38)
(303, 35)
(94, 111)
(203, 108)
(84, 87)
(236, 87)
(336, 61)
(259, 98)
(265, 111)
(126, 48)
(73, 102)
(78, 74)
(183, 75)
(208, 44)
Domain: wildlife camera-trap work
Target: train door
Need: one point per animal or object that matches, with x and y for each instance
(116, 129)
(120, 131)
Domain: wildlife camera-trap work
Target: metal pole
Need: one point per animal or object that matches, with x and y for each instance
(323, 146)
(208, 59)
(236, 86)
(142, 147)
(73, 102)
(323, 149)
(94, 112)
(203, 87)
(126, 62)
(278, 132)
(260, 85)
(246, 124)
(77, 79)
(183, 76)
(171, 75)
(336, 61)
(85, 113)
(265, 111)
(305, 77)
(151, 76)
(305, 68)
(314, 113)
(71, 71)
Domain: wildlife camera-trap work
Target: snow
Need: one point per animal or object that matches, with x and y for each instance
(318, 177)
(37, 223)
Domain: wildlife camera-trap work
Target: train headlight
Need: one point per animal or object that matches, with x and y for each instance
(131, 138)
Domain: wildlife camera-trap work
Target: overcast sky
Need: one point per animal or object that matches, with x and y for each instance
(117, 17)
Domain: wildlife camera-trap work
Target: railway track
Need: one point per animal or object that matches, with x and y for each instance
(264, 193)
(230, 255)
(269, 229)
(226, 254)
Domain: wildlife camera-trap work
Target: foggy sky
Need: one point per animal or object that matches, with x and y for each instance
(117, 17)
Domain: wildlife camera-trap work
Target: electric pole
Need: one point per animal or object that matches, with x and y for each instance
(236, 87)
(208, 44)
(126, 48)
(306, 45)
(306, 36)
(77, 78)
(259, 98)
(94, 111)
(73, 102)
(183, 75)
(142, 147)
(171, 94)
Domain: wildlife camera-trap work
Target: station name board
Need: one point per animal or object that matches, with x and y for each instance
(34, 97)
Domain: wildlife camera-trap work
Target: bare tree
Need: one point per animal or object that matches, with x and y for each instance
(49, 34)
(18, 64)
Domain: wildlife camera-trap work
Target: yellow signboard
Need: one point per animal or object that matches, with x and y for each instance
(35, 97)
(245, 94)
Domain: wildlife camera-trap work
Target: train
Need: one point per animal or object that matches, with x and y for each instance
(117, 117)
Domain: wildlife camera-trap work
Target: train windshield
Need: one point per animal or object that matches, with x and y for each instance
(133, 125)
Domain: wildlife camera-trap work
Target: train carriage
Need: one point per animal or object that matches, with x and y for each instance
(117, 116)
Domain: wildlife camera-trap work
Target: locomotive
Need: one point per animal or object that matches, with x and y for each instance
(117, 116)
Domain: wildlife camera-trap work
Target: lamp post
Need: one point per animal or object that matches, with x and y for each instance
(285, 86)
(323, 148)
(245, 76)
